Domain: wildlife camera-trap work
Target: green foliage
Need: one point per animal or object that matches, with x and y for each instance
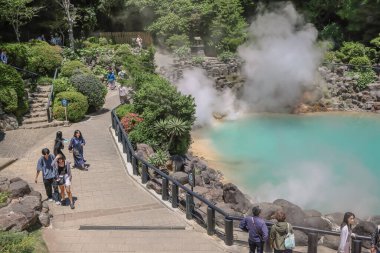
(92, 88)
(365, 78)
(376, 49)
(350, 50)
(198, 59)
(69, 67)
(12, 91)
(332, 32)
(22, 242)
(69, 54)
(44, 58)
(360, 61)
(147, 60)
(159, 158)
(76, 108)
(330, 57)
(178, 40)
(123, 110)
(182, 52)
(62, 84)
(4, 197)
(226, 56)
(44, 80)
(17, 54)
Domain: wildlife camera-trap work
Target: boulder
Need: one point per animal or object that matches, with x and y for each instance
(44, 219)
(364, 228)
(181, 177)
(301, 238)
(13, 221)
(267, 210)
(144, 151)
(294, 213)
(154, 186)
(375, 219)
(4, 184)
(19, 188)
(336, 218)
(32, 202)
(178, 162)
(15, 179)
(331, 241)
(36, 194)
(196, 163)
(232, 195)
(316, 222)
(8, 122)
(312, 213)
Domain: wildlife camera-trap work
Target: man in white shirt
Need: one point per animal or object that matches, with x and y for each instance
(123, 94)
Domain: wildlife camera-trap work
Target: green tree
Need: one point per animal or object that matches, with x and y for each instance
(69, 11)
(173, 127)
(17, 13)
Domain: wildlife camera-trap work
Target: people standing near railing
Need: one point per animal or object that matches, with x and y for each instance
(76, 147)
(375, 240)
(346, 233)
(278, 233)
(257, 229)
(4, 57)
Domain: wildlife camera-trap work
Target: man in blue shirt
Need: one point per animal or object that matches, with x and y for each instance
(257, 229)
(49, 174)
(4, 57)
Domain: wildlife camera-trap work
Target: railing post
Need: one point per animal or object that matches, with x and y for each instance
(165, 189)
(356, 246)
(312, 243)
(174, 195)
(134, 165)
(124, 142)
(112, 120)
(129, 155)
(228, 229)
(210, 221)
(144, 174)
(189, 206)
(120, 133)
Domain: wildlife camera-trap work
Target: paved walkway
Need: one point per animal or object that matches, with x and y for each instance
(106, 196)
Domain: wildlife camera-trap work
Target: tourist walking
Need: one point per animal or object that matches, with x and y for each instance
(111, 79)
(139, 42)
(4, 57)
(64, 178)
(76, 147)
(375, 240)
(58, 144)
(278, 233)
(257, 229)
(49, 174)
(346, 233)
(123, 94)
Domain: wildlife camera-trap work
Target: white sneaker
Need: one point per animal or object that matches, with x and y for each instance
(50, 200)
(58, 203)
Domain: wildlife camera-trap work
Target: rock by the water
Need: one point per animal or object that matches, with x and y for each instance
(268, 210)
(181, 177)
(232, 195)
(19, 188)
(4, 184)
(301, 238)
(144, 151)
(44, 219)
(316, 222)
(294, 213)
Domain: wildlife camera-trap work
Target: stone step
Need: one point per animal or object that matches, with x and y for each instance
(34, 120)
(43, 88)
(42, 125)
(39, 95)
(38, 100)
(33, 109)
(37, 104)
(36, 114)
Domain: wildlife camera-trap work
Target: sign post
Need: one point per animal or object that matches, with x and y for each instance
(65, 103)
(191, 177)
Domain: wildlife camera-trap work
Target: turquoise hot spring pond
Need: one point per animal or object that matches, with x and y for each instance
(328, 162)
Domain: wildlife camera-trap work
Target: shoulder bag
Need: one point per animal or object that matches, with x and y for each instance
(290, 242)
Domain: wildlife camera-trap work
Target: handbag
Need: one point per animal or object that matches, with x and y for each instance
(290, 242)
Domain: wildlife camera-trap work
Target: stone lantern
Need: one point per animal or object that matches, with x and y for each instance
(198, 48)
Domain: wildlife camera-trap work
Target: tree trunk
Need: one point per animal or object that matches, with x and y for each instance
(170, 141)
(15, 28)
(71, 34)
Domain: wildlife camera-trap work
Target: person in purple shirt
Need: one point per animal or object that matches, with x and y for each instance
(257, 229)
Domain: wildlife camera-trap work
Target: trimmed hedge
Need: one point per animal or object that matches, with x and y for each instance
(44, 58)
(92, 88)
(76, 108)
(70, 67)
(12, 91)
(17, 54)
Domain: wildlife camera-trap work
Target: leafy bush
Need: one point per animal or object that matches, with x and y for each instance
(198, 59)
(69, 54)
(76, 108)
(177, 41)
(4, 197)
(17, 54)
(130, 121)
(226, 56)
(22, 242)
(159, 158)
(99, 71)
(44, 58)
(103, 41)
(92, 88)
(360, 61)
(365, 78)
(70, 67)
(62, 84)
(12, 91)
(351, 50)
(331, 57)
(123, 110)
(147, 60)
(44, 80)
(182, 52)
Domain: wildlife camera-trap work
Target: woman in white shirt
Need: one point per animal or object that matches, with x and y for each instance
(346, 233)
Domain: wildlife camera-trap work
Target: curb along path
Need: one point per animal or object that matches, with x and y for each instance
(111, 207)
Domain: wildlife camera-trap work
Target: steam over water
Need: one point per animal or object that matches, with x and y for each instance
(326, 162)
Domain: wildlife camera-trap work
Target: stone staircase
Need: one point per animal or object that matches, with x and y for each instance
(37, 116)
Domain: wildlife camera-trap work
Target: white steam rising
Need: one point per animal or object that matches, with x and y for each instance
(281, 59)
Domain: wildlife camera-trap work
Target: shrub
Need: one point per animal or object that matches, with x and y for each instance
(103, 41)
(123, 110)
(4, 197)
(176, 41)
(12, 91)
(182, 52)
(44, 80)
(360, 61)
(99, 71)
(22, 242)
(351, 50)
(130, 121)
(226, 56)
(365, 78)
(76, 108)
(69, 54)
(332, 32)
(92, 88)
(198, 60)
(159, 158)
(44, 58)
(69, 67)
(17, 54)
(62, 84)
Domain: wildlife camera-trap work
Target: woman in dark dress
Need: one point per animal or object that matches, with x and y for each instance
(76, 147)
(58, 144)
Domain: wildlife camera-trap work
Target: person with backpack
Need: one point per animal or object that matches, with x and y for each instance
(279, 233)
(49, 174)
(257, 229)
(375, 240)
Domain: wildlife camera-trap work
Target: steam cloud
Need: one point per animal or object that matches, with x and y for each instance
(281, 59)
